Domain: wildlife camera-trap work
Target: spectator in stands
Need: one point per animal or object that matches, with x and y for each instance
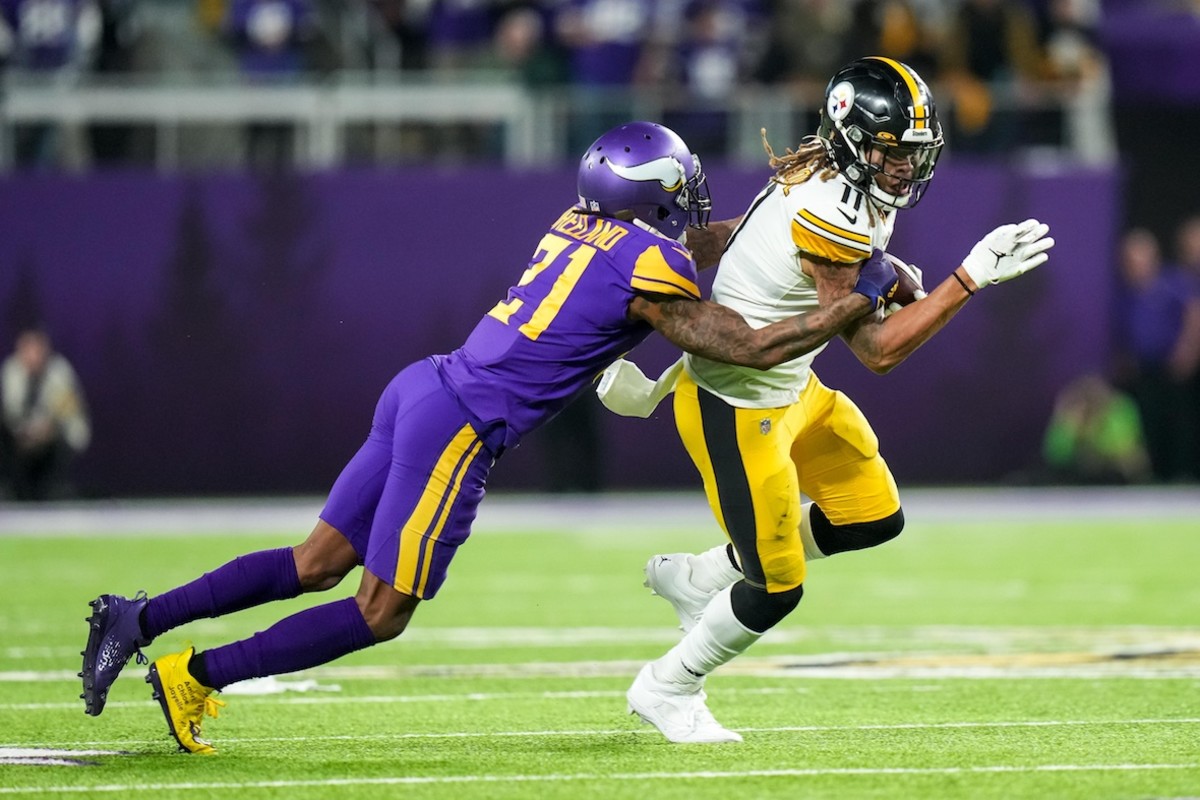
(119, 49)
(524, 45)
(272, 40)
(897, 29)
(1187, 256)
(711, 61)
(612, 46)
(460, 36)
(1076, 65)
(803, 43)
(53, 39)
(1095, 436)
(1159, 338)
(407, 24)
(460, 33)
(45, 420)
(990, 56)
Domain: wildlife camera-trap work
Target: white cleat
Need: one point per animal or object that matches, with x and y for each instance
(678, 712)
(670, 577)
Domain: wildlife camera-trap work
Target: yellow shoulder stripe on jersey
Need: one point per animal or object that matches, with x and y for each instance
(833, 230)
(651, 273)
(845, 247)
(920, 112)
(818, 246)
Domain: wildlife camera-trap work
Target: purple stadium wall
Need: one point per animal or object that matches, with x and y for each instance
(232, 332)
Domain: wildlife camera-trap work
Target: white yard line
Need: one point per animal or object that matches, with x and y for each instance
(1126, 640)
(236, 786)
(128, 744)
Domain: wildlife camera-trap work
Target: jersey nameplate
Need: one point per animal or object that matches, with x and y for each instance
(601, 233)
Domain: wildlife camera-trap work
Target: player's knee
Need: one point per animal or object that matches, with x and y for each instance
(323, 560)
(386, 613)
(318, 577)
(833, 539)
(760, 610)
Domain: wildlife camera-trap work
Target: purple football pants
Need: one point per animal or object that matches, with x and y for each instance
(407, 498)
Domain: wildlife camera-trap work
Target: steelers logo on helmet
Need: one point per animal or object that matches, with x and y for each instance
(840, 101)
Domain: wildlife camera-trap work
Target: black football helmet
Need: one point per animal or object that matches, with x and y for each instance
(879, 120)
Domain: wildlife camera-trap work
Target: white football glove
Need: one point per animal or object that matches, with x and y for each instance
(1007, 252)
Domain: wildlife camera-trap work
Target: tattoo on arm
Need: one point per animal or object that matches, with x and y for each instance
(719, 333)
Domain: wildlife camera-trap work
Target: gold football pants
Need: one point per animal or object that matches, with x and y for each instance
(756, 463)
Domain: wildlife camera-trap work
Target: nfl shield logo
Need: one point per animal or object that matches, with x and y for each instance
(764, 427)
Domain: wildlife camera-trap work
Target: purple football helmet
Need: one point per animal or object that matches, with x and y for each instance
(644, 169)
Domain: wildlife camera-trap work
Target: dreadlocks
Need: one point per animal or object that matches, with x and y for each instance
(797, 166)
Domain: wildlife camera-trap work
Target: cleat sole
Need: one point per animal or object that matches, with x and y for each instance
(160, 696)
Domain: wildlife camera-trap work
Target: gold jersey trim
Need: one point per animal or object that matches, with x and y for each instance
(823, 239)
(652, 273)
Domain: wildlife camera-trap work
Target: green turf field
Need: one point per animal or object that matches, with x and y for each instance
(1028, 655)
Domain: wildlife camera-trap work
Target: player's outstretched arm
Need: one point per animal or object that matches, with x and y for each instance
(719, 333)
(716, 332)
(1004, 254)
(708, 243)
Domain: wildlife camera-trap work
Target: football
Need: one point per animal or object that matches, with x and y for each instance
(909, 288)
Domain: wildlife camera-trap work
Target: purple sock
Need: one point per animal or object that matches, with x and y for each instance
(244, 582)
(307, 639)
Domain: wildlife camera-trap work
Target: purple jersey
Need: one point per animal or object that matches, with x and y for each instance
(562, 323)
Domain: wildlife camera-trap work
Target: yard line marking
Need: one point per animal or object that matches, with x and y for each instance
(995, 639)
(1168, 664)
(567, 777)
(45, 757)
(387, 737)
(410, 698)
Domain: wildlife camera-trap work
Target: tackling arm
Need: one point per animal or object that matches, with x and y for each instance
(719, 333)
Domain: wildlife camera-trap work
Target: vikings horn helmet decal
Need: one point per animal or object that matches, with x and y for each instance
(644, 171)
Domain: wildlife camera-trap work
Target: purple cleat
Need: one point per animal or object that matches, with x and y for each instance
(114, 636)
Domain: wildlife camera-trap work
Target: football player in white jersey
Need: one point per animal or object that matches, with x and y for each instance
(763, 438)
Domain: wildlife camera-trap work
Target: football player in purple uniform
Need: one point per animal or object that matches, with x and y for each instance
(607, 272)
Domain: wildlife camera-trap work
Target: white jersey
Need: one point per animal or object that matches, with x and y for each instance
(760, 276)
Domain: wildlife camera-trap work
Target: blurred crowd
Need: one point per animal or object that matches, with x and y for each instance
(1140, 422)
(985, 56)
(1158, 344)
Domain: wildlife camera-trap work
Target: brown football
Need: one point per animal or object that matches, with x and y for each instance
(908, 287)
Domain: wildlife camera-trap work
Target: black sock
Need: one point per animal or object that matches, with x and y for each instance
(199, 669)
